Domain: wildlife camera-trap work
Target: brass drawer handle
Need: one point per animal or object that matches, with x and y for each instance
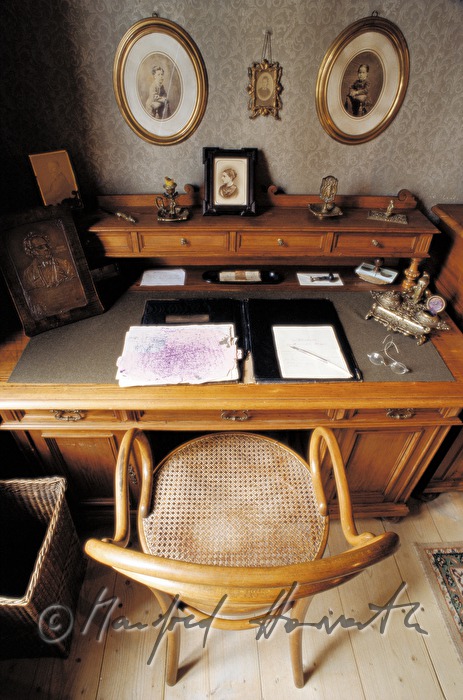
(280, 242)
(183, 241)
(235, 415)
(400, 413)
(376, 243)
(68, 415)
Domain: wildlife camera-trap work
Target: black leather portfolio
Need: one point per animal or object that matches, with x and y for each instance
(291, 340)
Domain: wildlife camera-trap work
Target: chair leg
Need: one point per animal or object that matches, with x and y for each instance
(172, 637)
(298, 613)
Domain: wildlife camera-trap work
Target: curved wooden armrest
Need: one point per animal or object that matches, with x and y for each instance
(342, 488)
(121, 483)
(176, 576)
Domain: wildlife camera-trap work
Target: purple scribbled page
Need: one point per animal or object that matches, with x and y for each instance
(178, 354)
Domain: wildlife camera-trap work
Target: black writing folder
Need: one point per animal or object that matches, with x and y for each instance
(197, 310)
(299, 340)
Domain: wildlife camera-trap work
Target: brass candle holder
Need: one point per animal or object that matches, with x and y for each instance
(328, 190)
(168, 209)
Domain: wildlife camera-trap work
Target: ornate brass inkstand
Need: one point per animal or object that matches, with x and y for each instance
(168, 209)
(413, 312)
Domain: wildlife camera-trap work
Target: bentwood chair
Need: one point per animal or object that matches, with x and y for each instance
(235, 523)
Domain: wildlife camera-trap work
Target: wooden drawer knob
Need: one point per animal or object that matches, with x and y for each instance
(280, 242)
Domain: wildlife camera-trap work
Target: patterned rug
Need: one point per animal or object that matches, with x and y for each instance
(443, 564)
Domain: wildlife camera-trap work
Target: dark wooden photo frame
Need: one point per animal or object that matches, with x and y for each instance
(229, 181)
(46, 270)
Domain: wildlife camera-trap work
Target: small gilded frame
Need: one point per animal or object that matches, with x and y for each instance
(362, 80)
(229, 181)
(264, 89)
(160, 81)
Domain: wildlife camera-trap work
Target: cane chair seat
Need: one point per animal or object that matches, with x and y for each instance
(232, 526)
(234, 500)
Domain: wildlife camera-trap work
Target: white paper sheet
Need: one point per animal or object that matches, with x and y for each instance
(178, 354)
(309, 352)
(161, 278)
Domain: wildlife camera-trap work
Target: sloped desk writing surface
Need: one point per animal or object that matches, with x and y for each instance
(75, 428)
(284, 231)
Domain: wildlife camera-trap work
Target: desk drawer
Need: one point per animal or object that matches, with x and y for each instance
(36, 418)
(381, 244)
(394, 414)
(114, 243)
(183, 243)
(234, 418)
(282, 244)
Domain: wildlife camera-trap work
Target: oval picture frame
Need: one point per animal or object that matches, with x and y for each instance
(160, 81)
(362, 80)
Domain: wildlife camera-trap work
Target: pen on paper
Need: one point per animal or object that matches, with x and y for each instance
(318, 357)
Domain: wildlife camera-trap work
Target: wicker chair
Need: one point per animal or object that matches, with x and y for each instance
(239, 519)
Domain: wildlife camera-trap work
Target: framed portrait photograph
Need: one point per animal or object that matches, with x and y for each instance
(229, 181)
(45, 269)
(55, 178)
(362, 80)
(264, 89)
(160, 81)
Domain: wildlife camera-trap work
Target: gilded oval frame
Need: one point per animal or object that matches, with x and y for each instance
(372, 38)
(167, 114)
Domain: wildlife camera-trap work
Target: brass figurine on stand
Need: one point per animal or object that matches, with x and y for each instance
(328, 190)
(388, 215)
(168, 209)
(414, 312)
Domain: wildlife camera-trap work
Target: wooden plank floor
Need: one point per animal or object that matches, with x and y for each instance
(106, 663)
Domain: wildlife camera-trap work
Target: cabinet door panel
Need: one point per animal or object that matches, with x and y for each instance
(384, 465)
(86, 460)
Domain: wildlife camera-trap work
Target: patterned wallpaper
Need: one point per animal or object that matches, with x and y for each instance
(57, 61)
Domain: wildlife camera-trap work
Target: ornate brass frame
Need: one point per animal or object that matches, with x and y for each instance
(259, 103)
(157, 44)
(372, 39)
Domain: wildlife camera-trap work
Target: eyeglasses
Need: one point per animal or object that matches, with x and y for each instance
(376, 358)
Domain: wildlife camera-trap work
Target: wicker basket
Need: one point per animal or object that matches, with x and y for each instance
(42, 568)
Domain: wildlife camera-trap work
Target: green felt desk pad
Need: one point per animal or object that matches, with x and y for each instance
(86, 352)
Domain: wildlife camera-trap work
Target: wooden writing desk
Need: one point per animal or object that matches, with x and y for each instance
(388, 430)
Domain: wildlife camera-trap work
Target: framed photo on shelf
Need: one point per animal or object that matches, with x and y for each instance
(45, 269)
(362, 80)
(160, 81)
(264, 89)
(55, 177)
(229, 181)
